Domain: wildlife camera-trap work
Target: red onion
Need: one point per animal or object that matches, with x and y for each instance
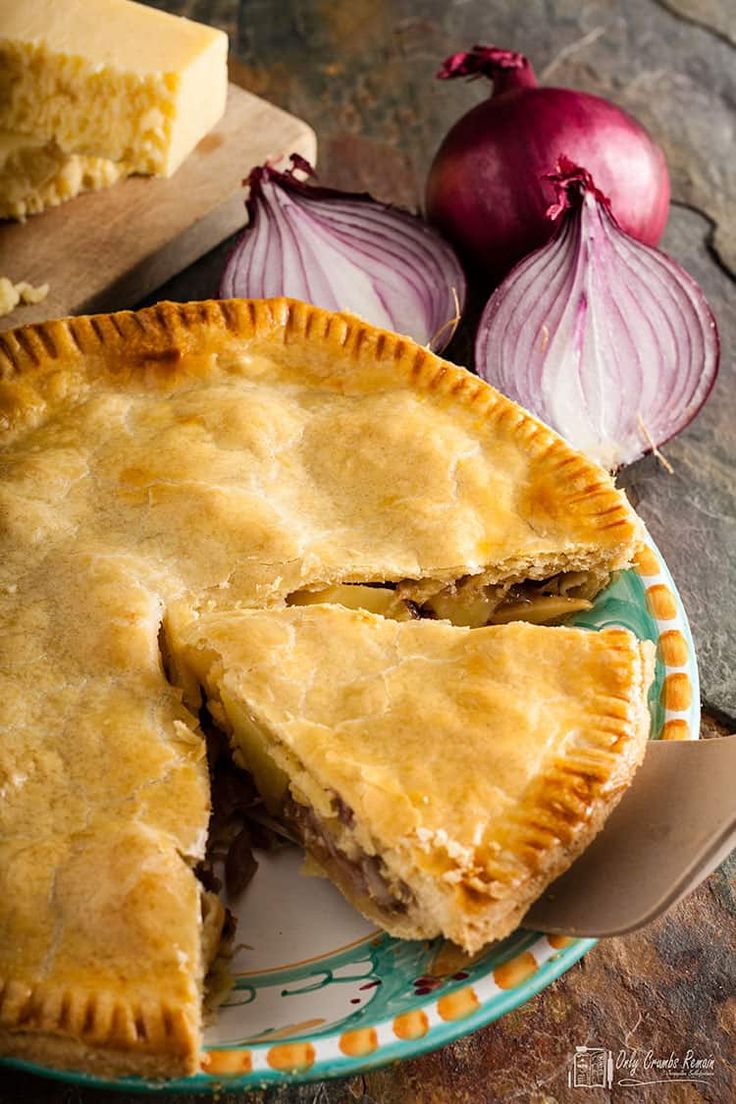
(607, 340)
(486, 191)
(344, 251)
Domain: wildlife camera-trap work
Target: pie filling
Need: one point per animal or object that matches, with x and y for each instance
(468, 602)
(364, 877)
(258, 810)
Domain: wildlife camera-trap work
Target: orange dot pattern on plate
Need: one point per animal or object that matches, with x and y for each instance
(559, 941)
(676, 730)
(677, 693)
(454, 1006)
(227, 1062)
(673, 648)
(646, 561)
(291, 1057)
(662, 602)
(411, 1025)
(359, 1042)
(512, 973)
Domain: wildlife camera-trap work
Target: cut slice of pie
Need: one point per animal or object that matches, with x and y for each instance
(442, 776)
(218, 457)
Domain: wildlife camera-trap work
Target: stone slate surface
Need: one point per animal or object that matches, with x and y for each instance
(361, 72)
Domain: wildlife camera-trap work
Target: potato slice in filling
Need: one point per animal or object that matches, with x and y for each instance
(469, 602)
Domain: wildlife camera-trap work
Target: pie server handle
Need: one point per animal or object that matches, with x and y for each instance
(673, 826)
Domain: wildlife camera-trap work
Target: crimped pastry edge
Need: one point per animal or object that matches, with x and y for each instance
(474, 927)
(77, 1029)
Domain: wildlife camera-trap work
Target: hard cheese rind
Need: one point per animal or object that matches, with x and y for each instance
(116, 80)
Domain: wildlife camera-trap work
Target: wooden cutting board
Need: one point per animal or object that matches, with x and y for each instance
(107, 250)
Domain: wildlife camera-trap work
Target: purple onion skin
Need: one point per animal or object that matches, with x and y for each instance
(485, 191)
(653, 339)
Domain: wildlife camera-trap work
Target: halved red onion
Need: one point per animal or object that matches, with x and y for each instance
(605, 339)
(345, 251)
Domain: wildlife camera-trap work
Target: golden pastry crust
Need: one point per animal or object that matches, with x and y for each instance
(476, 763)
(418, 438)
(214, 456)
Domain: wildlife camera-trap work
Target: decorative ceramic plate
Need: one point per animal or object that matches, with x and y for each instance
(320, 993)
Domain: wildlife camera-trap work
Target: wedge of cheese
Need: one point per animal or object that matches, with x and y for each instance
(35, 175)
(110, 79)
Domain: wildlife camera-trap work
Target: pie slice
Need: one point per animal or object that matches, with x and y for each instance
(442, 776)
(210, 458)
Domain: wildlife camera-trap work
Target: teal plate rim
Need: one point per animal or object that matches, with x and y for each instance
(556, 965)
(477, 1000)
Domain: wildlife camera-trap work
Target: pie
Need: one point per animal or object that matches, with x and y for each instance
(226, 466)
(442, 776)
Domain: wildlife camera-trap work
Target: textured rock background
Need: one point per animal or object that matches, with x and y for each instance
(361, 72)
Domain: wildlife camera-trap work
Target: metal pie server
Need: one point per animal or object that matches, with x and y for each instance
(673, 826)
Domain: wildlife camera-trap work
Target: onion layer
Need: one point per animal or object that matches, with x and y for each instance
(344, 251)
(607, 340)
(486, 192)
